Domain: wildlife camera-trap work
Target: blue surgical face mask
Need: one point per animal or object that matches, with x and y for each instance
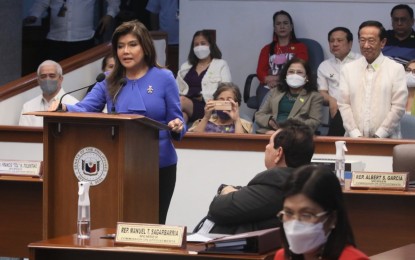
(222, 115)
(48, 86)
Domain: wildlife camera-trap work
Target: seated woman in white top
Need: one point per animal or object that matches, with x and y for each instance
(223, 121)
(198, 78)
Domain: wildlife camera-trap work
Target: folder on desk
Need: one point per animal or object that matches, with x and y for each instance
(254, 242)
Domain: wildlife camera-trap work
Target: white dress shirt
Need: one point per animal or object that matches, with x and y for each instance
(328, 73)
(372, 97)
(39, 103)
(78, 22)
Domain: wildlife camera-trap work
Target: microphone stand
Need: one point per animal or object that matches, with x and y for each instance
(99, 78)
(123, 82)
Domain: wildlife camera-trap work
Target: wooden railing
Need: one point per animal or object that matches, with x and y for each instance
(30, 81)
(21, 134)
(233, 142)
(256, 142)
(75, 62)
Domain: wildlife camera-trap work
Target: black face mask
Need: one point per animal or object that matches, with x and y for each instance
(222, 115)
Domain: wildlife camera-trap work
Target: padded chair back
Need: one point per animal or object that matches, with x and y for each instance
(403, 159)
(323, 129)
(408, 126)
(315, 53)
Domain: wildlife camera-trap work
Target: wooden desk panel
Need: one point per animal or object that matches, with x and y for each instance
(403, 253)
(21, 214)
(370, 212)
(234, 142)
(69, 247)
(381, 220)
(257, 142)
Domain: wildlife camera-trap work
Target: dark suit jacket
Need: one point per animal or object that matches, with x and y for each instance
(253, 207)
(307, 108)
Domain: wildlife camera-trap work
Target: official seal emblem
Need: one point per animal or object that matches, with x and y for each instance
(90, 164)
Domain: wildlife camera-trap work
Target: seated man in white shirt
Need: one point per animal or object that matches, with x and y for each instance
(49, 77)
(373, 89)
(328, 74)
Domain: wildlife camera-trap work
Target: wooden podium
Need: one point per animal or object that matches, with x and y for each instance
(124, 145)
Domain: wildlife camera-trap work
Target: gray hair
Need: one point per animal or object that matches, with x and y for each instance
(51, 62)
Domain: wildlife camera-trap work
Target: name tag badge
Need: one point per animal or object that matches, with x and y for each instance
(380, 180)
(150, 235)
(21, 168)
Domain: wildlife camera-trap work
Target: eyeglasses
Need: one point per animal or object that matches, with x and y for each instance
(285, 216)
(410, 70)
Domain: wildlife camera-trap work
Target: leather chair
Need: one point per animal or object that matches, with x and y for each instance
(315, 57)
(315, 53)
(261, 91)
(323, 129)
(408, 127)
(403, 159)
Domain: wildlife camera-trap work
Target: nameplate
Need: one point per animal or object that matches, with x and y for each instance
(379, 180)
(150, 235)
(21, 168)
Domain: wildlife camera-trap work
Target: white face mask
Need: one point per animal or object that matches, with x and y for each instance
(304, 237)
(202, 51)
(295, 81)
(410, 80)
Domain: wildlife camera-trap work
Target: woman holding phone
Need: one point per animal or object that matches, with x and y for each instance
(222, 113)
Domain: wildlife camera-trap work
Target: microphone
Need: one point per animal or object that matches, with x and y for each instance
(99, 78)
(123, 82)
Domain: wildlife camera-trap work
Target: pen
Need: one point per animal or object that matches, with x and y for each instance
(108, 236)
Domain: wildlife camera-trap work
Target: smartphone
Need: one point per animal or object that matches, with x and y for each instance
(223, 105)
